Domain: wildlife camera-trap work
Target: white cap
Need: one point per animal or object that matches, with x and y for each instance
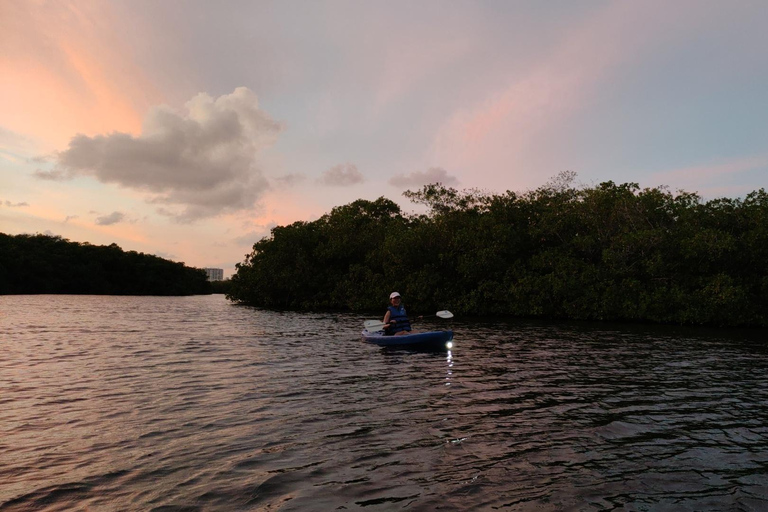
(393, 295)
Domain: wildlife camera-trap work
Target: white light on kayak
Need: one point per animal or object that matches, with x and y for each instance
(449, 345)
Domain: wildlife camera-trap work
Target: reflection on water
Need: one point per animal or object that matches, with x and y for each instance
(141, 403)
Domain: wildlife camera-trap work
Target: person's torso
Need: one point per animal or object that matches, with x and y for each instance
(401, 319)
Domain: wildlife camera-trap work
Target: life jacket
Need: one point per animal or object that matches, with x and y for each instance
(401, 320)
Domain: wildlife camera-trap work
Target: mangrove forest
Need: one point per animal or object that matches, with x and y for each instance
(34, 264)
(605, 252)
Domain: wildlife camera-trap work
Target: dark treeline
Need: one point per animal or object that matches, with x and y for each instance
(609, 252)
(221, 287)
(50, 264)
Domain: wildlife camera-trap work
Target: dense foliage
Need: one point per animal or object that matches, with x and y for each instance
(51, 264)
(609, 252)
(221, 287)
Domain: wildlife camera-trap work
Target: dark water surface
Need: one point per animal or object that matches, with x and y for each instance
(143, 403)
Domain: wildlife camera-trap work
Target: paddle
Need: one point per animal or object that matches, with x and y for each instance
(375, 325)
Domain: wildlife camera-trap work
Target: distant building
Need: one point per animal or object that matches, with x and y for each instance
(215, 274)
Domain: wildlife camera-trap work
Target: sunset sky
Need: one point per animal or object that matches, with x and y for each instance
(188, 129)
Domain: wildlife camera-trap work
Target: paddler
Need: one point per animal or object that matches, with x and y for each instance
(395, 318)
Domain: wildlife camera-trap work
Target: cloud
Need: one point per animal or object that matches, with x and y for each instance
(505, 136)
(15, 205)
(418, 178)
(290, 179)
(250, 238)
(205, 161)
(71, 217)
(112, 218)
(709, 172)
(15, 147)
(51, 175)
(9, 137)
(165, 255)
(732, 177)
(342, 175)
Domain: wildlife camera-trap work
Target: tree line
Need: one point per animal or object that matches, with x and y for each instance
(34, 264)
(605, 252)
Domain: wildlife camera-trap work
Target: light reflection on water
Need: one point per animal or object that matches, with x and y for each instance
(125, 403)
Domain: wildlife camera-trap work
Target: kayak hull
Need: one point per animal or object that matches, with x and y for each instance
(430, 339)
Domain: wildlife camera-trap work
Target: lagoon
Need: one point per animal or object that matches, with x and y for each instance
(193, 403)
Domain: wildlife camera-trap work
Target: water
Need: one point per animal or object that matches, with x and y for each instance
(143, 403)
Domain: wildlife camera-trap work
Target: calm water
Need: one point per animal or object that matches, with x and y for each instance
(125, 403)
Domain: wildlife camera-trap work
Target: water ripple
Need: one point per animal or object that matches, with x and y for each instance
(149, 403)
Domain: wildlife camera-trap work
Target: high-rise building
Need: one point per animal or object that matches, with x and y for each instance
(215, 274)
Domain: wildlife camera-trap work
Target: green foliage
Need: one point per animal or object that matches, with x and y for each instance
(608, 252)
(33, 264)
(336, 261)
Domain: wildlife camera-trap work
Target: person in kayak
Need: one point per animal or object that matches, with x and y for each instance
(396, 318)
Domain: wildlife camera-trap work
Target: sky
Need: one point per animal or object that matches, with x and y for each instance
(188, 129)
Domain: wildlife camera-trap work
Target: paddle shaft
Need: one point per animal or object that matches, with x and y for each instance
(372, 325)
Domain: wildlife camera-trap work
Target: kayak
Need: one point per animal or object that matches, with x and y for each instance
(431, 339)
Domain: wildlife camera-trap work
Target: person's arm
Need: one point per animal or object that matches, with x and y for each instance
(386, 320)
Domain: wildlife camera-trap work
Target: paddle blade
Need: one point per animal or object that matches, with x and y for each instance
(444, 314)
(373, 325)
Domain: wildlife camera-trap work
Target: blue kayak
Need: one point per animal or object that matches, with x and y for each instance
(431, 339)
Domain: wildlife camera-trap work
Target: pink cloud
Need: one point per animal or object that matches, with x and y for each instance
(702, 177)
(66, 72)
(503, 139)
(412, 60)
(420, 178)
